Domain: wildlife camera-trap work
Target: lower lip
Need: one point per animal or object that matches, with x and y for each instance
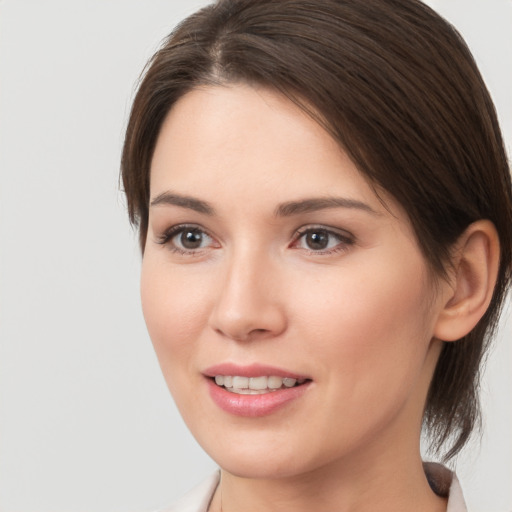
(254, 405)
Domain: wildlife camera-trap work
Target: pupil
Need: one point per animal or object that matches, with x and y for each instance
(317, 240)
(191, 239)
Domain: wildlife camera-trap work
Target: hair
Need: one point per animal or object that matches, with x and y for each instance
(398, 89)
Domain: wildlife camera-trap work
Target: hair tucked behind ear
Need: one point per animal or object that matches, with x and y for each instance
(397, 87)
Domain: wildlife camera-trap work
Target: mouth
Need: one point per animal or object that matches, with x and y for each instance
(256, 385)
(254, 390)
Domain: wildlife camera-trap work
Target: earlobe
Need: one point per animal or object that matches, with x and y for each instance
(475, 270)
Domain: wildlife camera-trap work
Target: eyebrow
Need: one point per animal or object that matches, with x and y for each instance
(286, 209)
(321, 203)
(170, 198)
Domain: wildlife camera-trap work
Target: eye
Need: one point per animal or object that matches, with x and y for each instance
(322, 240)
(190, 239)
(186, 239)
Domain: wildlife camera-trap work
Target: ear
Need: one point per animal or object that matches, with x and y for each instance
(470, 288)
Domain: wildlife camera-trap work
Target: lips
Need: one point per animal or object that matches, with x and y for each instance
(254, 390)
(255, 385)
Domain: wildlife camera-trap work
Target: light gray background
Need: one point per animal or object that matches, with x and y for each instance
(86, 422)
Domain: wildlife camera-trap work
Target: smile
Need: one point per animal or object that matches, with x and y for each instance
(255, 385)
(256, 389)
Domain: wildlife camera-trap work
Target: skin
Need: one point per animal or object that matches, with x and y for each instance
(358, 318)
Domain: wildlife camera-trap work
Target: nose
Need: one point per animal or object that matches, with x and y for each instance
(248, 305)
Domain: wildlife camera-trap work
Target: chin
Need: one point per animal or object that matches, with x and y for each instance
(260, 466)
(264, 455)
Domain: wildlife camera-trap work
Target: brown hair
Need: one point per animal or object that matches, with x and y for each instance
(397, 87)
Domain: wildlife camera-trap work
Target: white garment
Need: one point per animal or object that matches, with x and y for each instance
(198, 499)
(440, 478)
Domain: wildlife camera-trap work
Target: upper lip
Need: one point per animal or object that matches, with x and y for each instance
(252, 370)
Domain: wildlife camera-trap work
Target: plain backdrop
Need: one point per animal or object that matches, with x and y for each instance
(86, 422)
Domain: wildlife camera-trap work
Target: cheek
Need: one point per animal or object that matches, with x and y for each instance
(372, 329)
(174, 311)
(368, 342)
(364, 303)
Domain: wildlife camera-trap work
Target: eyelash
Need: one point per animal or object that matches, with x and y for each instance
(343, 240)
(166, 237)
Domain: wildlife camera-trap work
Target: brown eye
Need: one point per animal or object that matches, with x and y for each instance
(191, 239)
(317, 240)
(187, 239)
(323, 240)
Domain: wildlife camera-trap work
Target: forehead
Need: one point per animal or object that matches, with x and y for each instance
(240, 137)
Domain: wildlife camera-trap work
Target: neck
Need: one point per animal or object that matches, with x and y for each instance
(385, 488)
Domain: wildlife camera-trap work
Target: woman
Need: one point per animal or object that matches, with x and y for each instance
(324, 208)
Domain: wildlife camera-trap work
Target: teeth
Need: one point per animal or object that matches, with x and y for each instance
(247, 391)
(258, 383)
(255, 385)
(275, 382)
(241, 382)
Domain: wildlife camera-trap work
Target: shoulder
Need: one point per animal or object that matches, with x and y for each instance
(198, 499)
(445, 483)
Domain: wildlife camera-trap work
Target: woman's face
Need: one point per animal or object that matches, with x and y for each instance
(271, 264)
